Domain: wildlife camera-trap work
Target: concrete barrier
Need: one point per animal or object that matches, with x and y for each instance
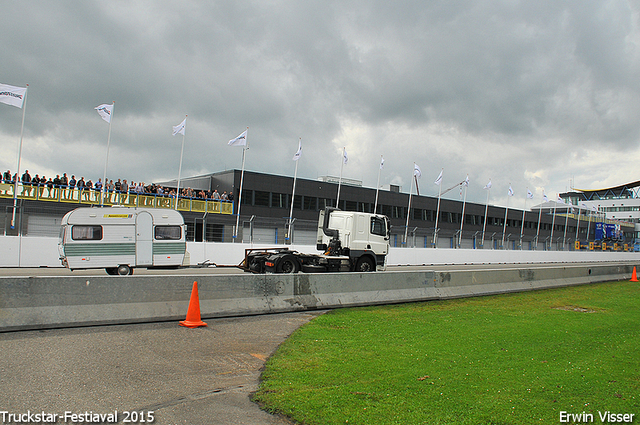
(50, 302)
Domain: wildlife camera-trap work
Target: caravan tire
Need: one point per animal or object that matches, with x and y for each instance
(124, 270)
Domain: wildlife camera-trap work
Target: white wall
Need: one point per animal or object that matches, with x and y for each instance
(43, 252)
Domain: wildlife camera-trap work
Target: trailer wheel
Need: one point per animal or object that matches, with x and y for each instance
(288, 265)
(365, 264)
(124, 270)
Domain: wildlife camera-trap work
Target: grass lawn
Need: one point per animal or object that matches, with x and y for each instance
(507, 359)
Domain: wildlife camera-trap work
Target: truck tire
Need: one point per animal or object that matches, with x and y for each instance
(365, 264)
(288, 264)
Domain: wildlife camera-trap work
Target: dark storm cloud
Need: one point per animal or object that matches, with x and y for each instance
(534, 93)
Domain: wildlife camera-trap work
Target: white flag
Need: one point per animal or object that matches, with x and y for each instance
(510, 191)
(105, 111)
(297, 155)
(466, 181)
(180, 127)
(560, 200)
(545, 198)
(416, 170)
(344, 155)
(12, 95)
(529, 194)
(381, 163)
(488, 185)
(241, 140)
(439, 179)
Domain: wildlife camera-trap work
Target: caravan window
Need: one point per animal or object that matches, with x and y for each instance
(168, 232)
(86, 233)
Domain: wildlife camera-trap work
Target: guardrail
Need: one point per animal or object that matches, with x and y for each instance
(128, 199)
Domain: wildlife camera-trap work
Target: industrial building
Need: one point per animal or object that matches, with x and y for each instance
(266, 200)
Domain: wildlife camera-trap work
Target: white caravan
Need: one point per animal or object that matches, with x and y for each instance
(119, 239)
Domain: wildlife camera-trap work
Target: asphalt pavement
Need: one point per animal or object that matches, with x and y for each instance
(159, 371)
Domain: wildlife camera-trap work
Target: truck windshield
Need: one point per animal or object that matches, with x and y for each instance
(378, 226)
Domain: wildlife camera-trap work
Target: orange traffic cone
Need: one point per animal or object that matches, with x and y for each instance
(193, 314)
(634, 276)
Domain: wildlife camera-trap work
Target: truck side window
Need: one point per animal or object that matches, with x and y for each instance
(86, 233)
(168, 232)
(378, 226)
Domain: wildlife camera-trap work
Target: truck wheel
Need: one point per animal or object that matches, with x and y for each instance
(365, 264)
(288, 265)
(124, 270)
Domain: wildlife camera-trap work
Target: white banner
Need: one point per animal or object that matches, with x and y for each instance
(12, 95)
(105, 111)
(297, 155)
(179, 129)
(241, 140)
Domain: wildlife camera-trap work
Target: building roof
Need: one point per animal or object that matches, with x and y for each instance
(622, 191)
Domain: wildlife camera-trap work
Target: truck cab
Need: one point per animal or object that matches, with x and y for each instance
(363, 237)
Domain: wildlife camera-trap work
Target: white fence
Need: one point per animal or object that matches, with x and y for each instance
(43, 252)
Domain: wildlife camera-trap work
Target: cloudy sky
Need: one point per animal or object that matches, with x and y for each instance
(539, 95)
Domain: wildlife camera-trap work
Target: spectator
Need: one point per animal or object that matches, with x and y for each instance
(26, 183)
(7, 176)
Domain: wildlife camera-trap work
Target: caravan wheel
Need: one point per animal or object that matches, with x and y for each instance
(124, 270)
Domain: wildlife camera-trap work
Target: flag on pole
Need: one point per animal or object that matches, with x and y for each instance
(510, 191)
(466, 181)
(12, 95)
(241, 140)
(416, 170)
(381, 162)
(488, 185)
(344, 155)
(529, 194)
(545, 198)
(439, 179)
(298, 154)
(105, 111)
(179, 129)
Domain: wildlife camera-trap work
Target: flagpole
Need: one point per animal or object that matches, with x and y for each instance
(539, 217)
(553, 221)
(106, 159)
(406, 228)
(464, 204)
(506, 211)
(340, 179)
(566, 222)
(244, 148)
(486, 209)
(180, 168)
(293, 196)
(523, 212)
(435, 229)
(578, 226)
(375, 205)
(15, 189)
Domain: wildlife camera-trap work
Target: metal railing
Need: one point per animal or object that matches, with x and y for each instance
(127, 199)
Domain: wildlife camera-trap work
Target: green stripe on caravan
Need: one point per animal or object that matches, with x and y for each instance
(89, 249)
(169, 248)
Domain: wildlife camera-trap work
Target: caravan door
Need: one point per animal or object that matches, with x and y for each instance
(144, 239)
